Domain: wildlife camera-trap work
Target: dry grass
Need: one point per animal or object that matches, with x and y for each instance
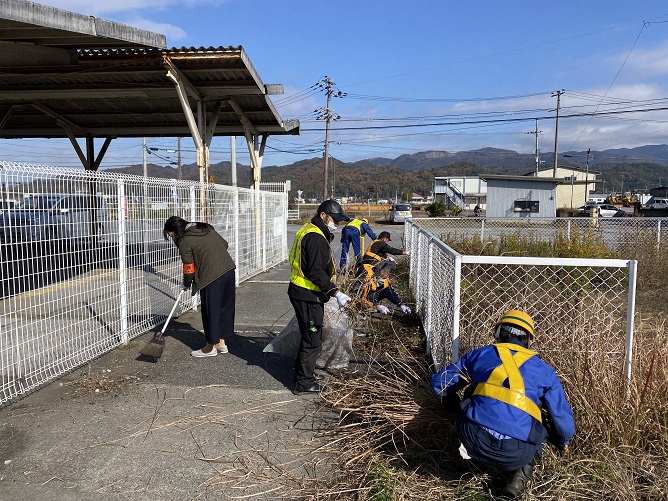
(394, 442)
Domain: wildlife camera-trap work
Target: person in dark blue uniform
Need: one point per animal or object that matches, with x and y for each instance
(513, 402)
(353, 234)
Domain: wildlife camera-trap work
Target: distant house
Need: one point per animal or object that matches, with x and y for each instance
(464, 191)
(416, 198)
(659, 191)
(521, 196)
(577, 185)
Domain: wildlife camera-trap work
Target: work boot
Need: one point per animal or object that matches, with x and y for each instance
(518, 481)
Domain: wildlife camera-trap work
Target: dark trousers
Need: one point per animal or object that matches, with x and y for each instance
(218, 303)
(309, 317)
(509, 454)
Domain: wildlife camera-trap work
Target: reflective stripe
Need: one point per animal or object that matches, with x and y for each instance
(296, 274)
(372, 254)
(356, 223)
(509, 369)
(188, 269)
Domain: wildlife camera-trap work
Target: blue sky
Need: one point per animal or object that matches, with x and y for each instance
(405, 65)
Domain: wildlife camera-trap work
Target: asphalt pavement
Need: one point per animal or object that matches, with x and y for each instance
(125, 427)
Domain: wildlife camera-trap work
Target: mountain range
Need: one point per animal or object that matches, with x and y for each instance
(623, 169)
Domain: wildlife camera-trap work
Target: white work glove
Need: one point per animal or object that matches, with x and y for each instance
(391, 259)
(383, 310)
(405, 309)
(183, 287)
(341, 298)
(407, 253)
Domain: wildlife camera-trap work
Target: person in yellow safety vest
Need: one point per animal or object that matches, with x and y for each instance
(379, 250)
(513, 403)
(373, 285)
(312, 284)
(353, 233)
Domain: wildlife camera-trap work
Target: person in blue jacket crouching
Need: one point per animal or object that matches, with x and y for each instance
(513, 402)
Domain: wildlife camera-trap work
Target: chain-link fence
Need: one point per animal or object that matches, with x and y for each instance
(616, 233)
(582, 307)
(85, 266)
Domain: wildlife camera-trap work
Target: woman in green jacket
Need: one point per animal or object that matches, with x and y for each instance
(209, 270)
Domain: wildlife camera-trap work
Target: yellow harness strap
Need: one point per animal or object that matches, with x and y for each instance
(509, 369)
(372, 255)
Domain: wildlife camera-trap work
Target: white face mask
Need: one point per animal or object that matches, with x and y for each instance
(332, 226)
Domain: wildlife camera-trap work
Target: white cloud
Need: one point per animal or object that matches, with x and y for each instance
(645, 62)
(172, 32)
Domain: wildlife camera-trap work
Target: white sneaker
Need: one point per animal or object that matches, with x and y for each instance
(222, 349)
(200, 353)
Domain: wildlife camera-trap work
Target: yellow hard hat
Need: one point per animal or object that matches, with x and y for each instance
(519, 319)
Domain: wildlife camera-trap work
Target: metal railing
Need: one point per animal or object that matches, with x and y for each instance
(85, 267)
(588, 304)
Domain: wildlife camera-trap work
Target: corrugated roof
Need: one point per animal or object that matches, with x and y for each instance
(124, 92)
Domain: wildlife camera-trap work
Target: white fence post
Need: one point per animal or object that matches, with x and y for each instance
(428, 311)
(235, 222)
(456, 306)
(630, 319)
(265, 238)
(122, 261)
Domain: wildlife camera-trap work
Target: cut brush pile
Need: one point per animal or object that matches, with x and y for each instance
(393, 441)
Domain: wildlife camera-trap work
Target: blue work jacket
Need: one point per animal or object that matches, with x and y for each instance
(541, 386)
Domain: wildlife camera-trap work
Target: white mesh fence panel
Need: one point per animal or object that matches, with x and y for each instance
(581, 307)
(85, 266)
(616, 233)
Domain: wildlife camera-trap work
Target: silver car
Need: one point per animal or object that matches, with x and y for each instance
(50, 216)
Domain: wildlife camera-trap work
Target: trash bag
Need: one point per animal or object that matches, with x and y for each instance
(337, 339)
(287, 341)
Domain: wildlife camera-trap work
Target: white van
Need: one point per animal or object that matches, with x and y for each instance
(658, 203)
(400, 212)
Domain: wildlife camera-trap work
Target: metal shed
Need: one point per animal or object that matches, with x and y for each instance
(521, 196)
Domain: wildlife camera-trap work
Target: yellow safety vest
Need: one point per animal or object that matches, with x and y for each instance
(372, 254)
(296, 274)
(356, 223)
(509, 369)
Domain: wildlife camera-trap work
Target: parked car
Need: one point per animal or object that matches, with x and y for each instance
(658, 203)
(400, 212)
(51, 216)
(605, 210)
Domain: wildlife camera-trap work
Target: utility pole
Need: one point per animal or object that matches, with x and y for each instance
(178, 160)
(556, 130)
(587, 178)
(536, 132)
(328, 116)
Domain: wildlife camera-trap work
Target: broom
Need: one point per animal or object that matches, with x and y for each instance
(156, 345)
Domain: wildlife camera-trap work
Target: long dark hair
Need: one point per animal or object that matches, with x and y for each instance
(178, 225)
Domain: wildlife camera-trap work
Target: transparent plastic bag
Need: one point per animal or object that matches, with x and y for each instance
(337, 339)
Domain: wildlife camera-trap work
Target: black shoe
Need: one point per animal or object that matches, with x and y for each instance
(318, 377)
(316, 388)
(518, 481)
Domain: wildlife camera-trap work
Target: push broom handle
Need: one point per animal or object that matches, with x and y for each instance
(176, 303)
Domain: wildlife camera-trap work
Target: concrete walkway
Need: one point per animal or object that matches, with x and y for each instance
(125, 428)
